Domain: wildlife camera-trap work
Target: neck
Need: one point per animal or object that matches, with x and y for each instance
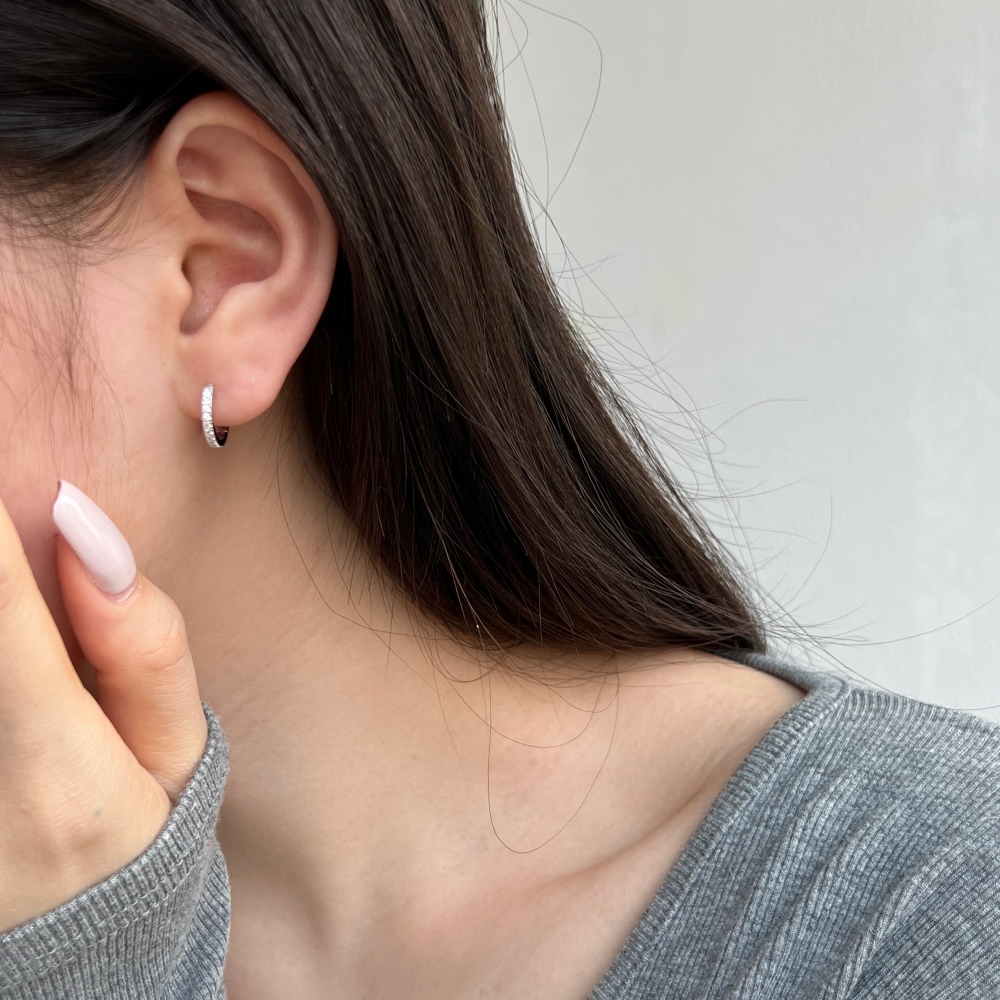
(374, 759)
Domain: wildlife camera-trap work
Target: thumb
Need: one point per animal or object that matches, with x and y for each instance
(134, 636)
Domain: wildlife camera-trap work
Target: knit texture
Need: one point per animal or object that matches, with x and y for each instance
(157, 928)
(854, 855)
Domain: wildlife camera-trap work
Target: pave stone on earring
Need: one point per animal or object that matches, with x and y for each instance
(215, 436)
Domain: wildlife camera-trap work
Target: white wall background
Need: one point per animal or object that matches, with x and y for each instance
(794, 208)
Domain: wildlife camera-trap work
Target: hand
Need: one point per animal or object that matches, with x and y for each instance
(87, 785)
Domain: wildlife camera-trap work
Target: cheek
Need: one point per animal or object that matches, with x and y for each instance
(56, 417)
(85, 395)
(33, 420)
(35, 448)
(39, 408)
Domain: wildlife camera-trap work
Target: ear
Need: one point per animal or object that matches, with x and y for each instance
(250, 253)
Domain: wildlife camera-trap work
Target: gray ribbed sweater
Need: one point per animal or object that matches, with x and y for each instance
(854, 855)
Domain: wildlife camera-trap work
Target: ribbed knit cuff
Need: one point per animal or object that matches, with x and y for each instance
(161, 921)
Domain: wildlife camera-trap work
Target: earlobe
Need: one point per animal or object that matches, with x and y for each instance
(254, 252)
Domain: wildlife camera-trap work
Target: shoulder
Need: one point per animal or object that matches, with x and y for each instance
(888, 808)
(885, 742)
(943, 760)
(855, 851)
(906, 795)
(883, 788)
(937, 770)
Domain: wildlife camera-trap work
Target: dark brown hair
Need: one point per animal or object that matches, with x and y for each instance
(490, 464)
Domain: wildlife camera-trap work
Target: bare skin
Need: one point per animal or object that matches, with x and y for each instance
(367, 855)
(460, 915)
(389, 831)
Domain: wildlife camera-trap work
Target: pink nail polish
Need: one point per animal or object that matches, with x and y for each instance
(94, 538)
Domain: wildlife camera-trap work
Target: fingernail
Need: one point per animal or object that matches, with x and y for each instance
(94, 538)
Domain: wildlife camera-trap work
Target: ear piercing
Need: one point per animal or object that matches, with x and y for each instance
(215, 436)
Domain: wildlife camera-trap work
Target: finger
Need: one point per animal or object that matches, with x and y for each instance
(38, 685)
(133, 634)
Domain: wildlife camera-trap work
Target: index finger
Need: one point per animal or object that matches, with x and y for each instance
(38, 684)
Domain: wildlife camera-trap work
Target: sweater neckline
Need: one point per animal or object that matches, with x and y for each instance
(823, 690)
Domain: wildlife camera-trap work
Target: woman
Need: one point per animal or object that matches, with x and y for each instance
(491, 711)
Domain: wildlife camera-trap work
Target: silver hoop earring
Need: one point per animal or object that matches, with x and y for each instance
(215, 436)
